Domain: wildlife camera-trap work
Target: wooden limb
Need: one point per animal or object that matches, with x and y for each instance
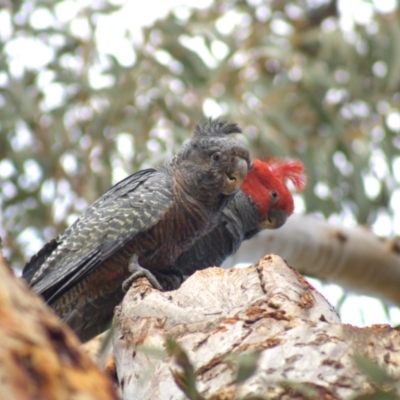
(352, 257)
(40, 357)
(218, 315)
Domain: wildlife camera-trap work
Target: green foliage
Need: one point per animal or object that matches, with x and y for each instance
(186, 378)
(246, 364)
(372, 370)
(75, 118)
(384, 384)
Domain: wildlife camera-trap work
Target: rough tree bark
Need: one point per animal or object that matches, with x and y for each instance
(352, 257)
(40, 357)
(304, 352)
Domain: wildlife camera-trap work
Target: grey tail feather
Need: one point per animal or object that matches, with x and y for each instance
(216, 128)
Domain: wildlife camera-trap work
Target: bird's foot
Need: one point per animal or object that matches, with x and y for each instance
(139, 272)
(165, 279)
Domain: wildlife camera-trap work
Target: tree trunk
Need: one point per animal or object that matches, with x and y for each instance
(40, 357)
(352, 257)
(264, 323)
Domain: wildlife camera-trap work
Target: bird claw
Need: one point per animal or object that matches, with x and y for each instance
(163, 280)
(139, 272)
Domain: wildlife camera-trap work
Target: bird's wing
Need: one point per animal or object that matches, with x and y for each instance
(39, 262)
(38, 259)
(130, 207)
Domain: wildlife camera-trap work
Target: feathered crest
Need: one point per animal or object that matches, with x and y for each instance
(289, 169)
(212, 134)
(216, 128)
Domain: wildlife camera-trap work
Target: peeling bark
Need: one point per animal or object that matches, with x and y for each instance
(354, 257)
(40, 357)
(304, 350)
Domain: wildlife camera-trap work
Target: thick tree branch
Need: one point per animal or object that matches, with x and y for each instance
(217, 315)
(40, 357)
(352, 257)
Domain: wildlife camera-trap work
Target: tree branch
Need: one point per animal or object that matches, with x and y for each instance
(40, 357)
(352, 257)
(266, 319)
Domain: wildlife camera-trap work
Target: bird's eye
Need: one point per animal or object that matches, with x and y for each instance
(216, 156)
(274, 195)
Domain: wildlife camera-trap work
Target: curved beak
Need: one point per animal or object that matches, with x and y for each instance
(275, 219)
(235, 178)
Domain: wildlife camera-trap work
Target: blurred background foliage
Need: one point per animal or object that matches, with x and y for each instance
(91, 91)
